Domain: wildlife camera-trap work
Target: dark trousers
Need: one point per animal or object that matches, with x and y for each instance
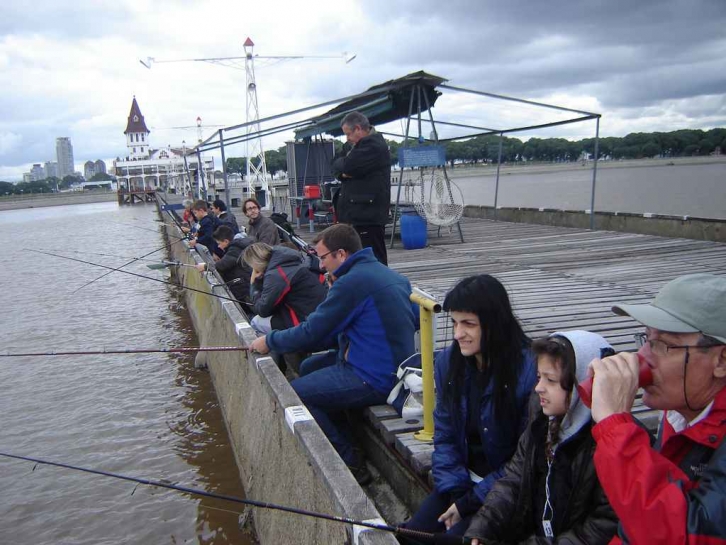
(328, 387)
(426, 518)
(374, 236)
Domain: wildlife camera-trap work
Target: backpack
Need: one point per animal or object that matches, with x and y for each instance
(280, 218)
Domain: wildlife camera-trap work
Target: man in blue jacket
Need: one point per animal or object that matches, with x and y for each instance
(368, 317)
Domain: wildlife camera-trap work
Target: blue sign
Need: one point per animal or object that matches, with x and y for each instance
(422, 156)
(166, 207)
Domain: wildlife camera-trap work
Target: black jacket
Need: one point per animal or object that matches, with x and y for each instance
(227, 218)
(512, 512)
(289, 290)
(365, 196)
(207, 226)
(231, 266)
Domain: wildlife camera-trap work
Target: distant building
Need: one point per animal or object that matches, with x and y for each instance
(137, 135)
(89, 169)
(26, 177)
(64, 156)
(37, 173)
(147, 168)
(51, 169)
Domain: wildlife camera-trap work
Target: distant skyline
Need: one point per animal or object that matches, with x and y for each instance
(646, 66)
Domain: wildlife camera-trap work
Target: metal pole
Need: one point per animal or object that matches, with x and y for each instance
(427, 308)
(499, 163)
(224, 170)
(594, 174)
(186, 170)
(400, 174)
(200, 175)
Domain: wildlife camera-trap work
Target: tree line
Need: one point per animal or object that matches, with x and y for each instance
(48, 185)
(485, 149)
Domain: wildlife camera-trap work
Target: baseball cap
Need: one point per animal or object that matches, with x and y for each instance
(688, 304)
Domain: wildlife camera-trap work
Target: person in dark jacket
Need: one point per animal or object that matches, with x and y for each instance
(207, 224)
(283, 291)
(367, 318)
(550, 491)
(483, 384)
(365, 192)
(261, 228)
(219, 208)
(231, 266)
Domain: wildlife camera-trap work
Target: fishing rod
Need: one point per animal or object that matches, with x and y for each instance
(83, 252)
(165, 247)
(424, 537)
(167, 264)
(234, 281)
(181, 349)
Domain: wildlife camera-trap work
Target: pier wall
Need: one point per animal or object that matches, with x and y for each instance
(646, 224)
(279, 462)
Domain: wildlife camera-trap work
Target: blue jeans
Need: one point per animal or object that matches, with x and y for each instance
(328, 387)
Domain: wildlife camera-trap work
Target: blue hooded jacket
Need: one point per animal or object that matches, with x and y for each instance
(499, 439)
(367, 315)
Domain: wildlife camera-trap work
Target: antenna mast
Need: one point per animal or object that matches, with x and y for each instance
(256, 166)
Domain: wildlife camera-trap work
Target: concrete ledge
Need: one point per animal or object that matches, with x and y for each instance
(279, 462)
(646, 224)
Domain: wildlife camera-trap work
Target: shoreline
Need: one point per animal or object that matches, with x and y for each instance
(490, 169)
(58, 199)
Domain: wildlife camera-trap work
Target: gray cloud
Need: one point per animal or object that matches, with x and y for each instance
(646, 65)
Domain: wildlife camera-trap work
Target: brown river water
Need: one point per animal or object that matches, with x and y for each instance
(145, 415)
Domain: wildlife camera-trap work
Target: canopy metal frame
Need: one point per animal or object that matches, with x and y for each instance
(421, 86)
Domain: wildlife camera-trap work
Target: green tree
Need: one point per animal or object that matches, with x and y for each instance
(236, 165)
(70, 180)
(100, 177)
(651, 149)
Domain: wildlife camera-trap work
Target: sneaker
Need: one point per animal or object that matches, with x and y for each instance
(361, 473)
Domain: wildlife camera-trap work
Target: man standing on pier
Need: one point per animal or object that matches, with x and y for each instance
(367, 316)
(675, 491)
(365, 192)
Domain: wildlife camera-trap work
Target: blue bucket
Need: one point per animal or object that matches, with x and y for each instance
(413, 231)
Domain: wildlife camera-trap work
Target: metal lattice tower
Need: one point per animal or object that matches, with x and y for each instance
(256, 167)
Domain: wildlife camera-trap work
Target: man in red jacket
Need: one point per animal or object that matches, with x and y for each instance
(675, 490)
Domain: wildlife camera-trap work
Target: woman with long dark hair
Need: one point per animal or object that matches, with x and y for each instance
(483, 384)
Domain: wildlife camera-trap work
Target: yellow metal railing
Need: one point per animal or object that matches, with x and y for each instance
(428, 307)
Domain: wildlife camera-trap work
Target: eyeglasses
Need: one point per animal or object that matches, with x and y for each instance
(661, 348)
(323, 256)
(251, 208)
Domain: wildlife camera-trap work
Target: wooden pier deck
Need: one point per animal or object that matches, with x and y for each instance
(557, 278)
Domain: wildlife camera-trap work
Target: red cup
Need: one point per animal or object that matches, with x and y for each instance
(645, 378)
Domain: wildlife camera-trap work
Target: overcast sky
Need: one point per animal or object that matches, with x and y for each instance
(72, 69)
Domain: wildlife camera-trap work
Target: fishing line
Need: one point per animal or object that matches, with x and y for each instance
(165, 247)
(83, 252)
(142, 276)
(180, 349)
(425, 537)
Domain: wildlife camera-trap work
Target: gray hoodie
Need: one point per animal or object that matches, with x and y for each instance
(587, 347)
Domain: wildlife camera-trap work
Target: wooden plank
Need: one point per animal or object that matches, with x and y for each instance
(393, 426)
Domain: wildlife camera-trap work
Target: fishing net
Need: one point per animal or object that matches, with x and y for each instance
(437, 198)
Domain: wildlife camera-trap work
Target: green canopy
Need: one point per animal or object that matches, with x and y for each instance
(389, 104)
